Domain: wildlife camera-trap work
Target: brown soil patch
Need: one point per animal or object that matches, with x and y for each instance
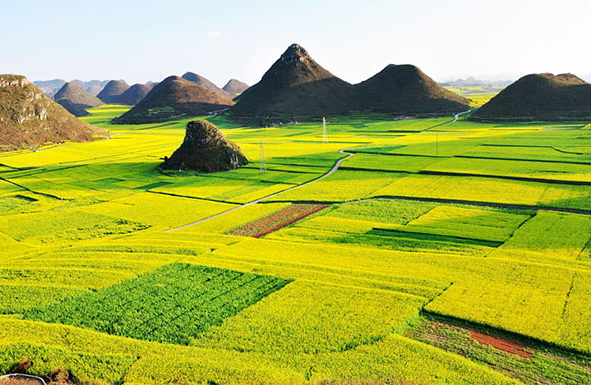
(501, 344)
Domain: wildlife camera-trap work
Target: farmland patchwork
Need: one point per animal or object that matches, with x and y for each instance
(437, 252)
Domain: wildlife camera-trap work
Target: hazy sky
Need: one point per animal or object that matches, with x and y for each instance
(147, 40)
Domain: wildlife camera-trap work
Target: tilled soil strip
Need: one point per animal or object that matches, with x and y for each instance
(278, 220)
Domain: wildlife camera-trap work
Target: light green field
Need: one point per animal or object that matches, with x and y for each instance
(478, 95)
(484, 224)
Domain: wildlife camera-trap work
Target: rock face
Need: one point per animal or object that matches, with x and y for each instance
(205, 149)
(540, 97)
(298, 88)
(29, 118)
(206, 83)
(174, 98)
(295, 87)
(112, 91)
(235, 87)
(405, 90)
(135, 94)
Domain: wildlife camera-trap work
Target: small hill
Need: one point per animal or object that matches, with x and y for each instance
(77, 98)
(134, 94)
(235, 87)
(540, 97)
(295, 87)
(174, 98)
(112, 91)
(206, 83)
(29, 118)
(405, 90)
(205, 149)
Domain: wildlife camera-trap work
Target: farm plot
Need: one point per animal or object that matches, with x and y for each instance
(549, 236)
(341, 186)
(343, 231)
(559, 172)
(65, 225)
(380, 162)
(157, 210)
(525, 360)
(310, 318)
(408, 225)
(277, 220)
(488, 190)
(172, 304)
(466, 223)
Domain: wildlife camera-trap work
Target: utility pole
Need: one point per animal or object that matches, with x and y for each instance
(262, 164)
(324, 133)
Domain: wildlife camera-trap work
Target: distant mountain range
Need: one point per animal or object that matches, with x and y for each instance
(471, 81)
(50, 87)
(111, 91)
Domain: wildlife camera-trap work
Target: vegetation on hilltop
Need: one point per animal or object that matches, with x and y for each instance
(205, 149)
(111, 94)
(542, 97)
(29, 118)
(174, 98)
(406, 90)
(297, 88)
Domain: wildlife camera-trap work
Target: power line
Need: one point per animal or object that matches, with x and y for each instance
(262, 163)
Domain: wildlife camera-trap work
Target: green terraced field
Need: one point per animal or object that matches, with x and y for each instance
(431, 232)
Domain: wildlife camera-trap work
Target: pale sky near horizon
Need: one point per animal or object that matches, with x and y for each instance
(142, 40)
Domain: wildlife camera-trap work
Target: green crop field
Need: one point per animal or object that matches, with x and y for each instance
(437, 252)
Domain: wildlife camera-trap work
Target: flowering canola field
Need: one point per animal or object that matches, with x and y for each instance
(486, 225)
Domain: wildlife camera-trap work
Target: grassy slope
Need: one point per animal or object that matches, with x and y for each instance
(83, 217)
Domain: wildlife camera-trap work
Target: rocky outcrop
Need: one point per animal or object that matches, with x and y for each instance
(29, 118)
(205, 149)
